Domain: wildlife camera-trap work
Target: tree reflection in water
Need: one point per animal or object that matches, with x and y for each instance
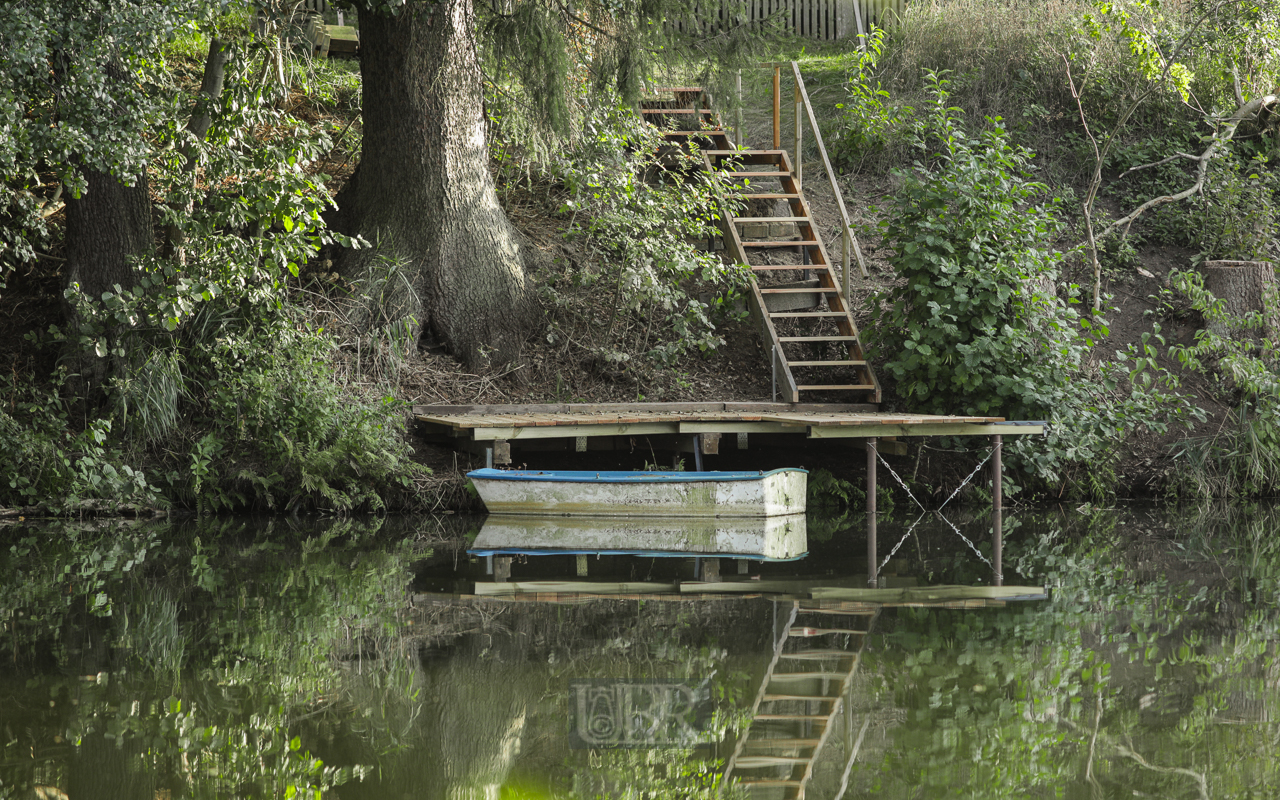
(219, 660)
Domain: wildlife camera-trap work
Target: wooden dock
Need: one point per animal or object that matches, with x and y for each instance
(495, 429)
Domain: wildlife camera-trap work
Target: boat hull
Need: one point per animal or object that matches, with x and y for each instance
(643, 494)
(779, 538)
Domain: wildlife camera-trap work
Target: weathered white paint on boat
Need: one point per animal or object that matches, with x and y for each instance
(649, 494)
(766, 538)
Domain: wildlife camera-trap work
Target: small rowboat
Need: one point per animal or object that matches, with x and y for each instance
(642, 494)
(758, 538)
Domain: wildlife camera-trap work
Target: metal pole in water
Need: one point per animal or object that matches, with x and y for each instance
(872, 570)
(997, 501)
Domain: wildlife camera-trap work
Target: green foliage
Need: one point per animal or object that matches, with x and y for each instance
(1125, 671)
(976, 326)
(1242, 458)
(639, 236)
(219, 640)
(49, 462)
(284, 433)
(1235, 217)
(871, 128)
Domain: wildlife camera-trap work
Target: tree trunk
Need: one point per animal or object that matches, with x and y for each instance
(444, 252)
(107, 226)
(1241, 285)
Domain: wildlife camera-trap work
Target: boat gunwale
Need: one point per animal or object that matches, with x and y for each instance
(615, 476)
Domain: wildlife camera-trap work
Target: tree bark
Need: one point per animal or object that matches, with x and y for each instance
(445, 253)
(107, 227)
(1241, 285)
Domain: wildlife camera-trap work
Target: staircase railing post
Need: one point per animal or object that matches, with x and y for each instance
(777, 107)
(773, 362)
(845, 241)
(737, 115)
(798, 165)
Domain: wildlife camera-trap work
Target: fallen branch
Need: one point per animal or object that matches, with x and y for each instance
(1224, 135)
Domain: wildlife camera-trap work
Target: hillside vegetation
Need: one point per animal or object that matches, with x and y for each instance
(1035, 186)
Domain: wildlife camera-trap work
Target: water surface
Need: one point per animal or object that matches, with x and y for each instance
(353, 658)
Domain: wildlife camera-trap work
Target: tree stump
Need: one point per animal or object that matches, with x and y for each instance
(1242, 285)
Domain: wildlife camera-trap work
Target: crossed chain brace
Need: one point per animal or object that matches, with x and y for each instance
(924, 512)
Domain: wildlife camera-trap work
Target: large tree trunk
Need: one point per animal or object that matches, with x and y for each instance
(107, 227)
(445, 253)
(1241, 285)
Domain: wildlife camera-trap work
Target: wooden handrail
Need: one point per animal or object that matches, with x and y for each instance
(848, 242)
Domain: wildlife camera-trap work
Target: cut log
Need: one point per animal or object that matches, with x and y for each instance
(1242, 285)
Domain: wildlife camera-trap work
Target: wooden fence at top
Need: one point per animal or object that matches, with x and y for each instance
(814, 19)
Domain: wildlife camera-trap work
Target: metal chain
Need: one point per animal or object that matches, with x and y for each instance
(925, 512)
(966, 480)
(905, 537)
(972, 546)
(901, 482)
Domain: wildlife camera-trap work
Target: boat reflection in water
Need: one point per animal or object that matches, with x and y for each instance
(779, 538)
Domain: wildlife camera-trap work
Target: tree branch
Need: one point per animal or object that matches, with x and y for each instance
(1173, 157)
(1220, 139)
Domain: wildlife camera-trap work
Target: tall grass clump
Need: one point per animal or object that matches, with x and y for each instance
(1004, 59)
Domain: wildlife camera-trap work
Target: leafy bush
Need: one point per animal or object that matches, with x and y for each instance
(976, 322)
(1242, 458)
(976, 326)
(48, 463)
(281, 431)
(639, 205)
(870, 125)
(1235, 217)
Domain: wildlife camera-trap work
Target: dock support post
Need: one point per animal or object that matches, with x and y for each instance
(488, 455)
(997, 501)
(697, 452)
(872, 570)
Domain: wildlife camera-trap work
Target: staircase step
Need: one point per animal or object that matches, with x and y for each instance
(846, 387)
(761, 174)
(815, 655)
(802, 676)
(706, 111)
(817, 338)
(809, 314)
(755, 762)
(769, 782)
(768, 267)
(800, 243)
(795, 717)
(805, 630)
(756, 220)
(744, 152)
(782, 742)
(826, 363)
(777, 698)
(705, 132)
(769, 196)
(802, 289)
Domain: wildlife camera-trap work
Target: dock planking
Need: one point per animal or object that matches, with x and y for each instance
(487, 423)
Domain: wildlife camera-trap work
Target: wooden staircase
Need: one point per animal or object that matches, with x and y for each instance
(816, 654)
(796, 295)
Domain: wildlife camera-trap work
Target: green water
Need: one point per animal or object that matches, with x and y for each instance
(242, 660)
